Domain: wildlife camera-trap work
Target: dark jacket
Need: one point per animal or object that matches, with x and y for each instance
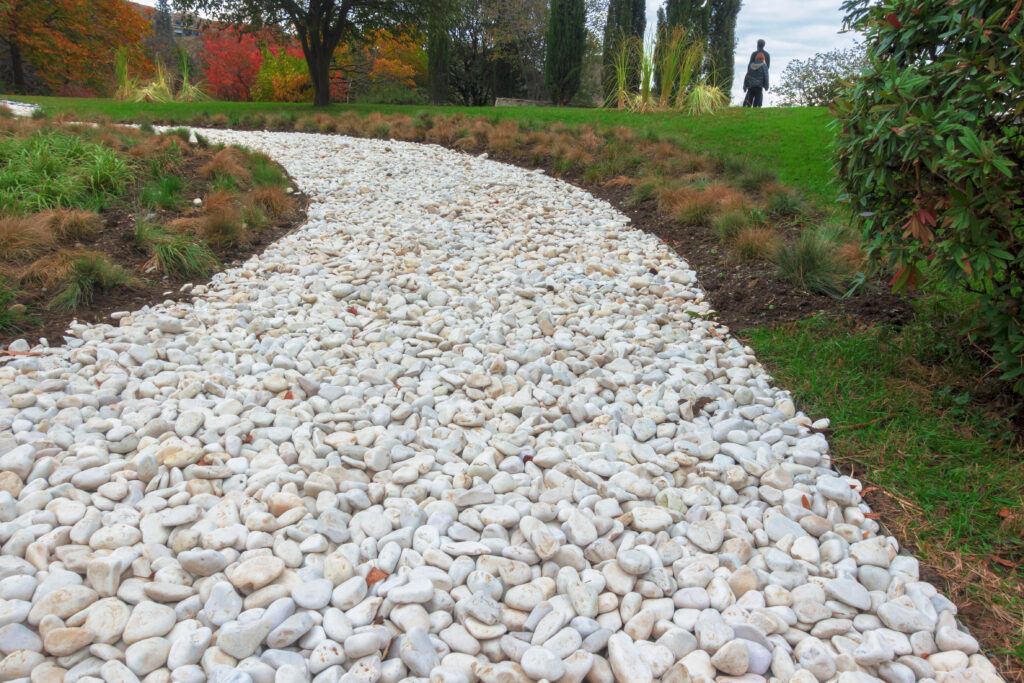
(757, 76)
(767, 57)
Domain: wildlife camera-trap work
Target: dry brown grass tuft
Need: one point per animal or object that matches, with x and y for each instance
(755, 242)
(403, 127)
(349, 123)
(852, 256)
(219, 121)
(277, 122)
(24, 238)
(579, 157)
(219, 201)
(149, 146)
(503, 137)
(726, 197)
(590, 140)
(325, 123)
(221, 223)
(443, 130)
(480, 130)
(465, 144)
(52, 269)
(185, 225)
(696, 206)
(72, 225)
(307, 124)
(19, 126)
(273, 201)
(621, 181)
(229, 162)
(623, 133)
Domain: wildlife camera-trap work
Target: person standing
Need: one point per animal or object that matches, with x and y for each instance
(756, 81)
(760, 50)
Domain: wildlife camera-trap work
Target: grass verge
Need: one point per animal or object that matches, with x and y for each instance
(83, 209)
(793, 142)
(939, 464)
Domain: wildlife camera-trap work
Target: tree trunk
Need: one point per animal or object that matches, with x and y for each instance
(17, 68)
(319, 61)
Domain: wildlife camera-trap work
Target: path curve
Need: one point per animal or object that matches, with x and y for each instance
(464, 424)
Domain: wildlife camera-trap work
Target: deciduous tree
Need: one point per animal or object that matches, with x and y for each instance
(321, 25)
(65, 40)
(815, 82)
(233, 60)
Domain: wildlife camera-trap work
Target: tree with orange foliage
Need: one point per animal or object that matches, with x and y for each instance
(320, 25)
(65, 40)
(382, 61)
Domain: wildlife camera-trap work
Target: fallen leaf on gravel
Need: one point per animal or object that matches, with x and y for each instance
(375, 576)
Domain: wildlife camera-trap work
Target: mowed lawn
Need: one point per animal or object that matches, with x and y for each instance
(794, 142)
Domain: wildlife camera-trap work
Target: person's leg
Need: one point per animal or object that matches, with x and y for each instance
(748, 98)
(758, 96)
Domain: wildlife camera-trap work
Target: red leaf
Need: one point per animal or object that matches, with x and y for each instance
(288, 395)
(374, 576)
(806, 502)
(352, 310)
(908, 277)
(893, 20)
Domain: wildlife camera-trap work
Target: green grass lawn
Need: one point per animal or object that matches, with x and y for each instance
(794, 142)
(906, 420)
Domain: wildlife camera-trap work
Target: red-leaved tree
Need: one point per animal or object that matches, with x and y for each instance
(233, 60)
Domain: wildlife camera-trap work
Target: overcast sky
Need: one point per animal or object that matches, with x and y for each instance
(793, 29)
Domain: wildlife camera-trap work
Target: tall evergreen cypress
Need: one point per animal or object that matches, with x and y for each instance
(662, 27)
(566, 43)
(722, 42)
(713, 23)
(438, 60)
(693, 15)
(626, 19)
(162, 22)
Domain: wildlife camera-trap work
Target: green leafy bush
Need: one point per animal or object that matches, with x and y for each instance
(929, 145)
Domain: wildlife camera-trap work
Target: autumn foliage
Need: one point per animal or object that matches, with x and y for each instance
(283, 76)
(65, 40)
(384, 61)
(233, 61)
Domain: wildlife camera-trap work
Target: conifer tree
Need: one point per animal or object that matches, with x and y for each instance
(722, 42)
(566, 44)
(626, 19)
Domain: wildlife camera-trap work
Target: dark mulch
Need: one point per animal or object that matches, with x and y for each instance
(746, 294)
(117, 241)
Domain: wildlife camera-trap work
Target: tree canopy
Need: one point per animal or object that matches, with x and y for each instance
(567, 37)
(64, 40)
(320, 25)
(815, 82)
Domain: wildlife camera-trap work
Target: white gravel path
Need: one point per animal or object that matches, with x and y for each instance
(466, 424)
